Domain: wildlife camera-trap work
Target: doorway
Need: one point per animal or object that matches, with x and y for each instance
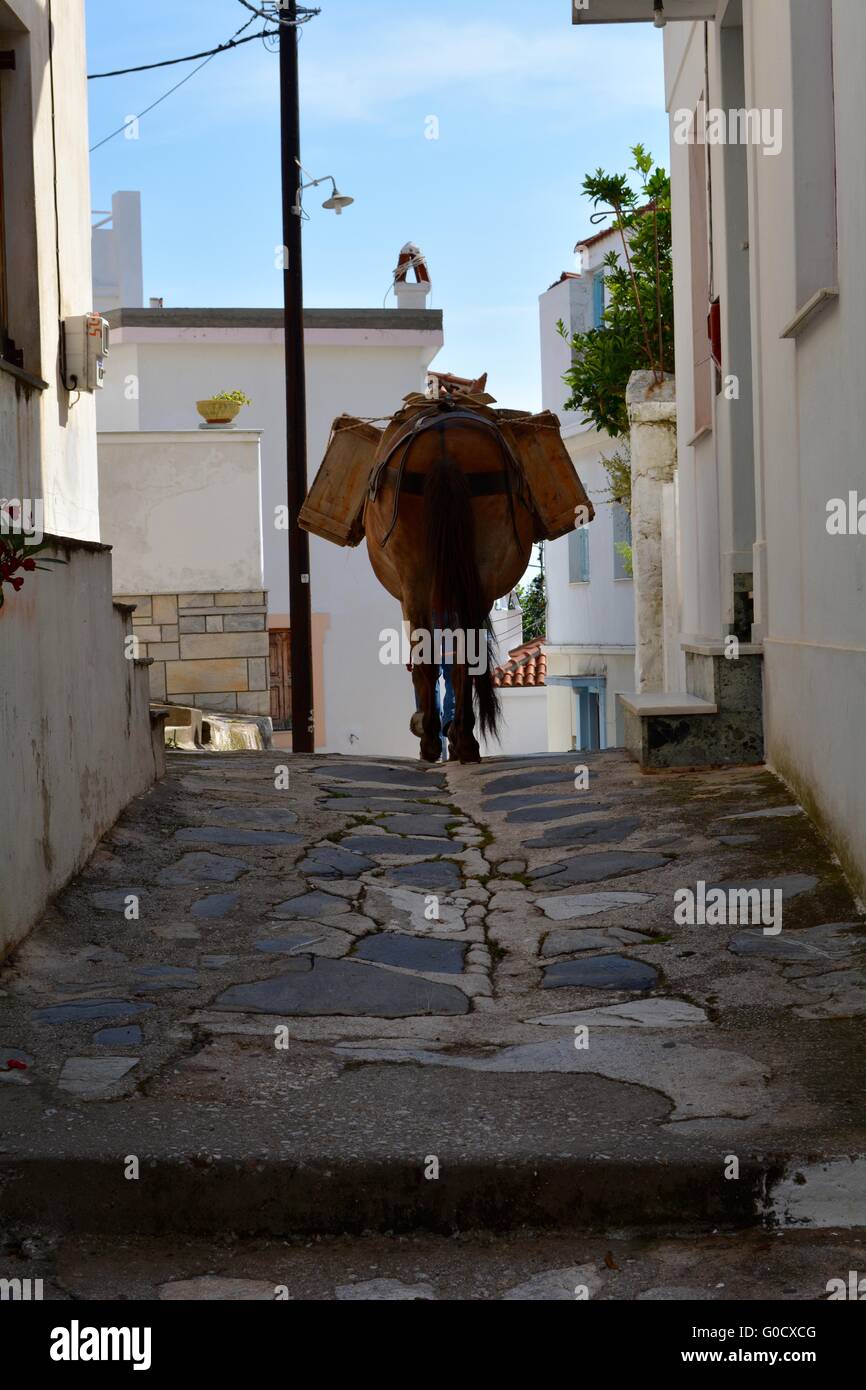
(280, 677)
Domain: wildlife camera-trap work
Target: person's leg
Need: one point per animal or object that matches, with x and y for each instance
(448, 700)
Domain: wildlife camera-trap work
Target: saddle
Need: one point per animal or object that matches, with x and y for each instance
(422, 415)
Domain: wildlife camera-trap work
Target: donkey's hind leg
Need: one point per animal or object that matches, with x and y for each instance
(424, 679)
(463, 739)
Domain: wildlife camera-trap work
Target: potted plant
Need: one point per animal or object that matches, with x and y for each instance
(222, 408)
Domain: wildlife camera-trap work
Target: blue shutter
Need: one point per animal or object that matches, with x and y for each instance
(598, 299)
(578, 556)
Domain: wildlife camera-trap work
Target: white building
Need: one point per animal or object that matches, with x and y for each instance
(74, 722)
(359, 362)
(769, 205)
(590, 606)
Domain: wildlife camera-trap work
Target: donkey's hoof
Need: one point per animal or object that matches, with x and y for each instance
(416, 724)
(431, 750)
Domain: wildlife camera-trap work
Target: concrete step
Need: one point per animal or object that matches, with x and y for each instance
(402, 1148)
(717, 721)
(664, 704)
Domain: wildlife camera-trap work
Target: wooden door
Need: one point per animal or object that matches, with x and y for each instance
(280, 677)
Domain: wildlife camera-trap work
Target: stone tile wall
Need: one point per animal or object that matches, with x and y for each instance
(208, 650)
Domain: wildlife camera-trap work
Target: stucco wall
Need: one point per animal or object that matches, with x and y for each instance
(812, 426)
(602, 611)
(524, 724)
(58, 463)
(154, 386)
(74, 729)
(181, 510)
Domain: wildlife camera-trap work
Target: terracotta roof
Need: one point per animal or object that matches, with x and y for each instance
(566, 275)
(526, 666)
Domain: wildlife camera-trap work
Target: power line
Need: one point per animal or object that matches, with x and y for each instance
(170, 62)
(302, 13)
(232, 42)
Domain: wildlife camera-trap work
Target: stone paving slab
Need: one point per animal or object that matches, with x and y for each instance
(535, 1017)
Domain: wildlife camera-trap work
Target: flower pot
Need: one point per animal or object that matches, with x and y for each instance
(218, 412)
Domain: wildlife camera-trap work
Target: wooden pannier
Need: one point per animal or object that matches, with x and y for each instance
(551, 477)
(334, 506)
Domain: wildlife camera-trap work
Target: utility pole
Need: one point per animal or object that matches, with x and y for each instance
(303, 732)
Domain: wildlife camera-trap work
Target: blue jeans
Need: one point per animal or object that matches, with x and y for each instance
(445, 703)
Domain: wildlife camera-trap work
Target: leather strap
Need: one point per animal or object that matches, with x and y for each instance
(440, 419)
(479, 484)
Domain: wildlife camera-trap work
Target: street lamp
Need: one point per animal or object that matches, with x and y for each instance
(337, 200)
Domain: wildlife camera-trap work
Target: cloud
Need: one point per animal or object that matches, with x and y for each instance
(358, 75)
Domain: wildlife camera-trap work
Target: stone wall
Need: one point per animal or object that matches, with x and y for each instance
(208, 650)
(74, 728)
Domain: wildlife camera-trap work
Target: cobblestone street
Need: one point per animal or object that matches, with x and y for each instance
(385, 999)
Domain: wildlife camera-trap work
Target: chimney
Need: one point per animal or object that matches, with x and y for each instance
(411, 294)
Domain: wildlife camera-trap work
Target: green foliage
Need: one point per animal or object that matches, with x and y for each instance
(637, 331)
(617, 466)
(624, 549)
(17, 555)
(237, 396)
(533, 600)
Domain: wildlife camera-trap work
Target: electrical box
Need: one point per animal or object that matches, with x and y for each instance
(86, 350)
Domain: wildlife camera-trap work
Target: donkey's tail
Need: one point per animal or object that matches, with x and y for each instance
(457, 599)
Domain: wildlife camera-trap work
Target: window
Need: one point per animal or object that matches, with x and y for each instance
(621, 542)
(813, 121)
(598, 299)
(578, 556)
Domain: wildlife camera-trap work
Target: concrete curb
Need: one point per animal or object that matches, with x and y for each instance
(205, 1196)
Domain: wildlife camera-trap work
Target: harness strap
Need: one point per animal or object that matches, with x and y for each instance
(440, 420)
(479, 484)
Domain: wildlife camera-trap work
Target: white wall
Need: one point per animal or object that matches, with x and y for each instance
(524, 723)
(794, 439)
(697, 463)
(155, 379)
(74, 724)
(602, 611)
(810, 430)
(118, 280)
(74, 728)
(182, 510)
(49, 437)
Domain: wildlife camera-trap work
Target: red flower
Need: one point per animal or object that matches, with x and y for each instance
(28, 564)
(16, 583)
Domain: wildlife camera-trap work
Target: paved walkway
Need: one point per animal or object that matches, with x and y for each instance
(388, 997)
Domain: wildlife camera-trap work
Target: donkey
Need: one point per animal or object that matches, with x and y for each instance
(449, 528)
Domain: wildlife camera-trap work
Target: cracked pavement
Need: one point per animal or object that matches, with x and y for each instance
(289, 986)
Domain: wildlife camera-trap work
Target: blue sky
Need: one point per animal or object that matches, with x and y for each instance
(525, 104)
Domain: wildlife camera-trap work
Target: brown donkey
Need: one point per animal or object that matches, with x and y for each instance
(449, 529)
